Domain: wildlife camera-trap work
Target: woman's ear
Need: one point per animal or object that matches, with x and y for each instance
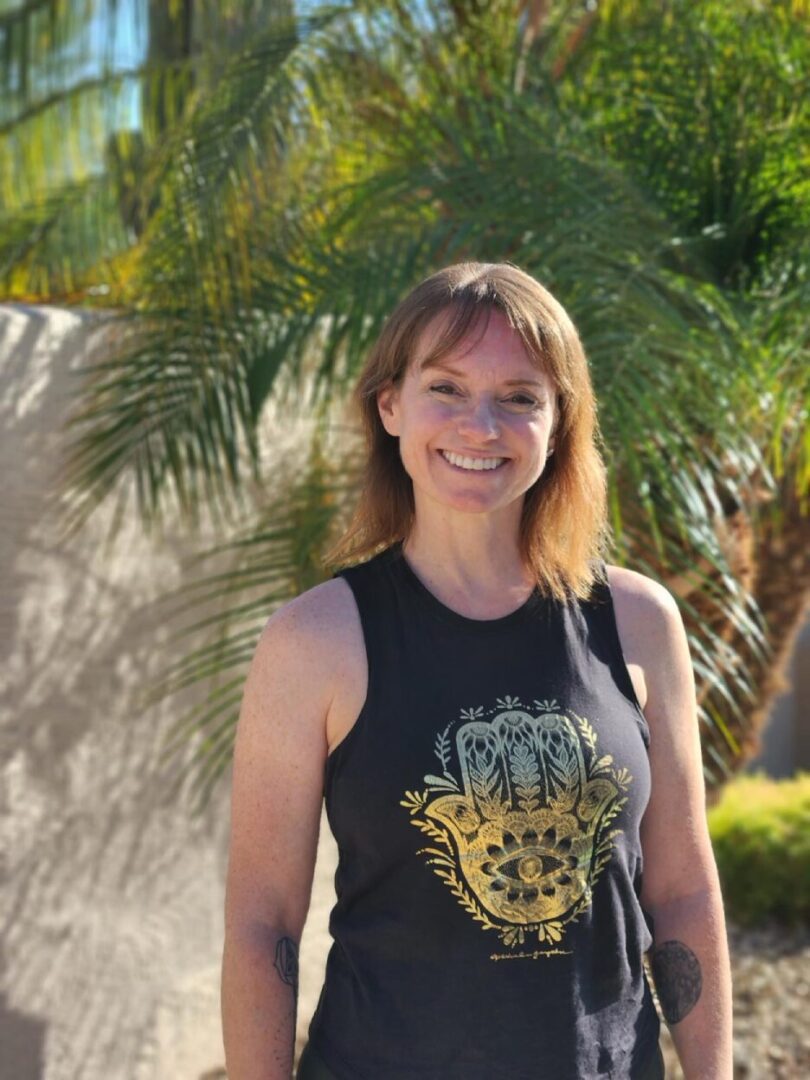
(387, 406)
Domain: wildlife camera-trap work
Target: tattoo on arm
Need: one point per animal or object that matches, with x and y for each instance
(678, 979)
(286, 964)
(287, 961)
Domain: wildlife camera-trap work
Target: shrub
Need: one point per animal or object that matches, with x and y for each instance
(760, 831)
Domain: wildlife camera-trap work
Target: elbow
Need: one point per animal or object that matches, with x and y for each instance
(694, 904)
(260, 934)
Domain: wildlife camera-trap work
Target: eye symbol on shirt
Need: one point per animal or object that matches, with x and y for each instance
(527, 867)
(525, 841)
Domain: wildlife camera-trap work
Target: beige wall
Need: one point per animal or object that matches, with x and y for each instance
(111, 898)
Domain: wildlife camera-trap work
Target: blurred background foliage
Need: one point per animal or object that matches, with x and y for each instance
(246, 189)
(760, 832)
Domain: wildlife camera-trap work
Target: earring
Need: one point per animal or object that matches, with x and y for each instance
(549, 452)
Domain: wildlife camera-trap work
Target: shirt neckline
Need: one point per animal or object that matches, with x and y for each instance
(449, 615)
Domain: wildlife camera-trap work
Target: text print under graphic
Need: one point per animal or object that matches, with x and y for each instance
(525, 836)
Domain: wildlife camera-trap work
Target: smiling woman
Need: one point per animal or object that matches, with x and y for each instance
(502, 361)
(561, 826)
(474, 443)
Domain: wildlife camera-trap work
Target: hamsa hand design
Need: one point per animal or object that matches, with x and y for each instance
(524, 830)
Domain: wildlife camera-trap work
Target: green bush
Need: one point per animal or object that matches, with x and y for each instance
(760, 832)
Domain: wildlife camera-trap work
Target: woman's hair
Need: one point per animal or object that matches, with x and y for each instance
(563, 528)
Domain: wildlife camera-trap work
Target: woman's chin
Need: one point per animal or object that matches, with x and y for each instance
(472, 502)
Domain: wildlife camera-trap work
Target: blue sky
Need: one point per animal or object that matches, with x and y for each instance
(123, 39)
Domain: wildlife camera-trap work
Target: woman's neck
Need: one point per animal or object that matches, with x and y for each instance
(480, 573)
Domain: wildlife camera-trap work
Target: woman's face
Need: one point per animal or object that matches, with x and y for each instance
(474, 429)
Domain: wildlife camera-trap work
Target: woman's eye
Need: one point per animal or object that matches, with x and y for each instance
(521, 400)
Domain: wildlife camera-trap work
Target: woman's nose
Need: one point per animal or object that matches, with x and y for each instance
(480, 420)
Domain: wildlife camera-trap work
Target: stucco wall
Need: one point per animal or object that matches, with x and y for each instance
(112, 895)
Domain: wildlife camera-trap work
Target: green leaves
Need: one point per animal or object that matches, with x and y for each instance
(649, 167)
(706, 105)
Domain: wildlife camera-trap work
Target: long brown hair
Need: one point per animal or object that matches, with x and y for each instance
(563, 529)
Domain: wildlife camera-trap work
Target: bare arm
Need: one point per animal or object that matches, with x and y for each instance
(692, 976)
(681, 887)
(259, 1003)
(278, 772)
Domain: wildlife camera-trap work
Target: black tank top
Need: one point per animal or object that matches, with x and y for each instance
(486, 806)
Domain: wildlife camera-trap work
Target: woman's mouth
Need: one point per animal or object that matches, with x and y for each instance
(469, 464)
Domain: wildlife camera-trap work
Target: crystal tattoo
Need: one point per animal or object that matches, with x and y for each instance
(678, 979)
(286, 963)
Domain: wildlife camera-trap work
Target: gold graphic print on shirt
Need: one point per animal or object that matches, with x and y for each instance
(524, 837)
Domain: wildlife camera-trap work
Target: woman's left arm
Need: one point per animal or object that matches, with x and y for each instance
(680, 884)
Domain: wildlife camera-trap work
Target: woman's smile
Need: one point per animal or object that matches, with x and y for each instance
(468, 463)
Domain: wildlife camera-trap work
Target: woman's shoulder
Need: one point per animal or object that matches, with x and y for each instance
(649, 624)
(647, 615)
(313, 642)
(317, 614)
(639, 594)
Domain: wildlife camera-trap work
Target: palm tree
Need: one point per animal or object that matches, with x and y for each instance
(724, 159)
(333, 161)
(76, 76)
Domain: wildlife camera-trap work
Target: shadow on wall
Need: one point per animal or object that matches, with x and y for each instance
(23, 1041)
(112, 897)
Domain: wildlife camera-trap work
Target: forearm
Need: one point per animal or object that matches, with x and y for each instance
(692, 975)
(259, 1003)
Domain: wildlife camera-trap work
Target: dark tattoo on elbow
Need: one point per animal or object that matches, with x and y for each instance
(286, 962)
(678, 980)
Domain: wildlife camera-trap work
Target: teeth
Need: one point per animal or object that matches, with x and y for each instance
(472, 463)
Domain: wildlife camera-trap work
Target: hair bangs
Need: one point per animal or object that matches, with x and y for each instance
(464, 320)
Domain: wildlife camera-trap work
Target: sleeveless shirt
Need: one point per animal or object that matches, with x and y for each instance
(486, 807)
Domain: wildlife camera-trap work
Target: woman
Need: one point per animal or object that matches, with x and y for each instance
(505, 732)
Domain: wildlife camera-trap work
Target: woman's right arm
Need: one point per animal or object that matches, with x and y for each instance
(278, 773)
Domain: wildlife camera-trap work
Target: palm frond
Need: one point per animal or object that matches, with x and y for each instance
(273, 558)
